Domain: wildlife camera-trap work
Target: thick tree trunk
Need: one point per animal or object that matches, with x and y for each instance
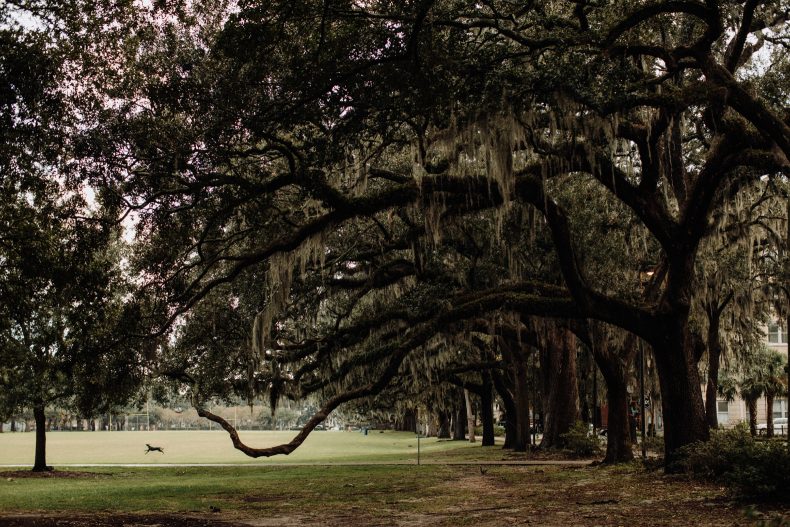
(522, 404)
(769, 412)
(444, 425)
(510, 409)
(510, 429)
(40, 464)
(470, 416)
(618, 435)
(561, 404)
(431, 428)
(407, 422)
(459, 420)
(681, 397)
(13, 424)
(487, 410)
(517, 359)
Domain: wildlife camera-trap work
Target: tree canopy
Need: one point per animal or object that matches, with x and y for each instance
(335, 198)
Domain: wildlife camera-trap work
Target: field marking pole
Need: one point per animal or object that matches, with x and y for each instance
(642, 396)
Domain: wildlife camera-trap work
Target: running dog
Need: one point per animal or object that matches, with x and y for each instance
(150, 448)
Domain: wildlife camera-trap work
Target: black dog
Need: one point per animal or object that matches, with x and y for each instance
(154, 449)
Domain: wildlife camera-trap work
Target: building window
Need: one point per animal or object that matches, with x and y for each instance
(776, 334)
(723, 411)
(780, 408)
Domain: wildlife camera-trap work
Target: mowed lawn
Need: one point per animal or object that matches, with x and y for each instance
(370, 495)
(216, 447)
(263, 492)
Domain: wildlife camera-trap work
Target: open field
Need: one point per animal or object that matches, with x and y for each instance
(263, 492)
(215, 447)
(365, 495)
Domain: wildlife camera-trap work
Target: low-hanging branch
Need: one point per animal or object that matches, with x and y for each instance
(472, 309)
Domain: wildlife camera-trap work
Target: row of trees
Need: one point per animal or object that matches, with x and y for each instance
(381, 202)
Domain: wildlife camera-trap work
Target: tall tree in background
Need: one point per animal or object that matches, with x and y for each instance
(66, 317)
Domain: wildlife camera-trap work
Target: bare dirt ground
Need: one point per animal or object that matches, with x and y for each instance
(479, 496)
(115, 520)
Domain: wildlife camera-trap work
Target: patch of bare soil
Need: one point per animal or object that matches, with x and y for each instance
(594, 496)
(550, 496)
(113, 520)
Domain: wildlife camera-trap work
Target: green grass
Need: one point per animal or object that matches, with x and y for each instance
(194, 489)
(440, 495)
(215, 447)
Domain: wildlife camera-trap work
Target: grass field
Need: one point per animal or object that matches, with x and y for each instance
(215, 447)
(263, 492)
(372, 495)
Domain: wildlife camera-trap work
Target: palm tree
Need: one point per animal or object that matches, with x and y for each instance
(728, 387)
(774, 384)
(751, 389)
(761, 374)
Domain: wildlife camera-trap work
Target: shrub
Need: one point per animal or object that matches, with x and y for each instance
(655, 444)
(733, 457)
(759, 519)
(579, 441)
(498, 430)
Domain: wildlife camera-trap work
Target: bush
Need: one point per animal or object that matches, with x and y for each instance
(499, 431)
(734, 458)
(759, 519)
(579, 441)
(655, 444)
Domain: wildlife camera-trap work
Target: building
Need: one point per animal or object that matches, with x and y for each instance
(731, 413)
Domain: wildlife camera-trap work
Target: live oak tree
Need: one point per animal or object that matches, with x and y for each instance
(343, 142)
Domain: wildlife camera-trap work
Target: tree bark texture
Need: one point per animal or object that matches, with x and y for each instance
(407, 422)
(444, 425)
(715, 350)
(769, 412)
(510, 409)
(619, 448)
(561, 400)
(516, 357)
(470, 416)
(681, 397)
(459, 419)
(487, 410)
(711, 390)
(40, 463)
(751, 407)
